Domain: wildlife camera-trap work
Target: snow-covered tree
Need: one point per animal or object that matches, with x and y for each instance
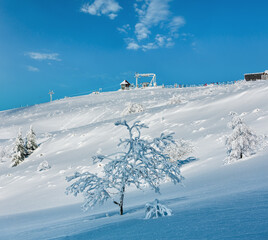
(242, 142)
(179, 149)
(31, 144)
(143, 163)
(19, 151)
(156, 210)
(133, 108)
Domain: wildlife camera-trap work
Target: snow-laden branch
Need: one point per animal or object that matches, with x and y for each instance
(92, 186)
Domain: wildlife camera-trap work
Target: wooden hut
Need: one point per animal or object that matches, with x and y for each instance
(125, 85)
(256, 76)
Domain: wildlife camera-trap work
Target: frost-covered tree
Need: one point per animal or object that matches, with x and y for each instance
(31, 144)
(143, 163)
(242, 142)
(20, 151)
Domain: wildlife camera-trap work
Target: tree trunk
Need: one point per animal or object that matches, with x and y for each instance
(121, 209)
(121, 203)
(122, 200)
(241, 155)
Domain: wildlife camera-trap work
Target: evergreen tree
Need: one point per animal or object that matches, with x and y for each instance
(143, 163)
(31, 144)
(19, 151)
(242, 142)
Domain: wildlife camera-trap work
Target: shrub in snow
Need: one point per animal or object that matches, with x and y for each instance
(31, 144)
(242, 142)
(2, 153)
(43, 166)
(132, 108)
(6, 151)
(20, 151)
(179, 149)
(156, 210)
(176, 99)
(142, 163)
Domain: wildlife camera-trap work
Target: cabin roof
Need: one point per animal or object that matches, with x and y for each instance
(265, 72)
(124, 82)
(254, 73)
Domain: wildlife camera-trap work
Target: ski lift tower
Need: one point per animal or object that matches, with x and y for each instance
(153, 81)
(51, 93)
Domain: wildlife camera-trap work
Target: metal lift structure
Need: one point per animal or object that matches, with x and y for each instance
(152, 75)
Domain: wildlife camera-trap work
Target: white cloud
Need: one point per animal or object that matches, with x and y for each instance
(156, 26)
(157, 11)
(150, 14)
(164, 41)
(109, 8)
(142, 31)
(159, 41)
(43, 56)
(32, 69)
(176, 23)
(112, 16)
(132, 44)
(124, 29)
(149, 46)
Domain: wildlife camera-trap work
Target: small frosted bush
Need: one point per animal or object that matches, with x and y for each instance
(176, 99)
(156, 210)
(43, 166)
(179, 150)
(133, 108)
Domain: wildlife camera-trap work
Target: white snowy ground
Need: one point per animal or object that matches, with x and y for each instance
(215, 201)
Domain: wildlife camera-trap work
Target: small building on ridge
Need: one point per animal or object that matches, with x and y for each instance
(256, 76)
(125, 85)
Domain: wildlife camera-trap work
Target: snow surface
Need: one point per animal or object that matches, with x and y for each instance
(215, 201)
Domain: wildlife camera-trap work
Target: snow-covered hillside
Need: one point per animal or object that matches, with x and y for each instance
(215, 201)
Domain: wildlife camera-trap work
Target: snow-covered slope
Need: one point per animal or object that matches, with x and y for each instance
(215, 201)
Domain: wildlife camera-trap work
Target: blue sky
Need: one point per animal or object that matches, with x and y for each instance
(77, 46)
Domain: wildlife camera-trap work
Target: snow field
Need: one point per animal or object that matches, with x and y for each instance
(215, 201)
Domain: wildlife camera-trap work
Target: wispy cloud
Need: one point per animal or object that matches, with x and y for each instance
(32, 69)
(124, 29)
(158, 42)
(176, 23)
(109, 8)
(150, 13)
(156, 27)
(43, 56)
(131, 44)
